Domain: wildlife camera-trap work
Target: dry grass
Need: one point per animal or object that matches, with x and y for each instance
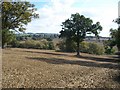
(45, 69)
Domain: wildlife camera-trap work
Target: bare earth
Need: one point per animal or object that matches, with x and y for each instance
(30, 68)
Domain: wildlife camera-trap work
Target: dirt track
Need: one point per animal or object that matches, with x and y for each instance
(45, 69)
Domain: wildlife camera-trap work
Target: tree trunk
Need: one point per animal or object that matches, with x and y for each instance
(78, 44)
(78, 49)
(3, 46)
(118, 46)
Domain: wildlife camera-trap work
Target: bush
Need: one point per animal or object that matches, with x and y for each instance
(61, 45)
(109, 50)
(91, 48)
(30, 44)
(95, 49)
(109, 46)
(39, 45)
(43, 44)
(14, 43)
(68, 46)
(85, 47)
(51, 45)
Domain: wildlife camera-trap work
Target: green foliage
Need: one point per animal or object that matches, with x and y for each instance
(68, 46)
(51, 45)
(109, 50)
(29, 44)
(14, 43)
(85, 47)
(49, 39)
(7, 37)
(108, 45)
(43, 44)
(77, 27)
(91, 48)
(115, 34)
(15, 15)
(61, 45)
(95, 49)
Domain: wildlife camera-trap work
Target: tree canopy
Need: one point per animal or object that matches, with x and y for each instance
(14, 16)
(17, 14)
(115, 35)
(76, 28)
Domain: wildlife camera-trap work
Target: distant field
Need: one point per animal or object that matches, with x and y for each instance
(47, 68)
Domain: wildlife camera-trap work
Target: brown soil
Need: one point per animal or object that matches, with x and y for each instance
(28, 68)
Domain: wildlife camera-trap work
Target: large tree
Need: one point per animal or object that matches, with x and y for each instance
(115, 33)
(15, 15)
(76, 28)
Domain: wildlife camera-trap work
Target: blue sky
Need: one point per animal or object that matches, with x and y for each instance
(54, 12)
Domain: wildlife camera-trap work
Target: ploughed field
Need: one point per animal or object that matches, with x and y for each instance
(29, 68)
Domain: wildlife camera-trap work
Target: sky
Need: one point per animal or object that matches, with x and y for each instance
(54, 12)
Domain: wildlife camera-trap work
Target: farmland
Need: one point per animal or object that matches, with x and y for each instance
(26, 68)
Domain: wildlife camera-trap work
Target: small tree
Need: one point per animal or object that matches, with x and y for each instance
(77, 27)
(108, 45)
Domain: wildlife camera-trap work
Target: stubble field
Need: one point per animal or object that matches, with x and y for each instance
(28, 68)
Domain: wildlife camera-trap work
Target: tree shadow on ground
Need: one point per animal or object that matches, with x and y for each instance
(114, 59)
(101, 59)
(87, 63)
(50, 53)
(84, 60)
(117, 78)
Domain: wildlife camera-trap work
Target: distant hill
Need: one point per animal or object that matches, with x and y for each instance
(37, 36)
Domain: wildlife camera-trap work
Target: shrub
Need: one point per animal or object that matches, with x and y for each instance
(84, 46)
(95, 49)
(39, 45)
(43, 44)
(30, 44)
(91, 48)
(48, 39)
(109, 50)
(68, 46)
(109, 46)
(61, 45)
(51, 45)
(14, 43)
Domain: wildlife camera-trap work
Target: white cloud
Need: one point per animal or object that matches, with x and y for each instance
(56, 11)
